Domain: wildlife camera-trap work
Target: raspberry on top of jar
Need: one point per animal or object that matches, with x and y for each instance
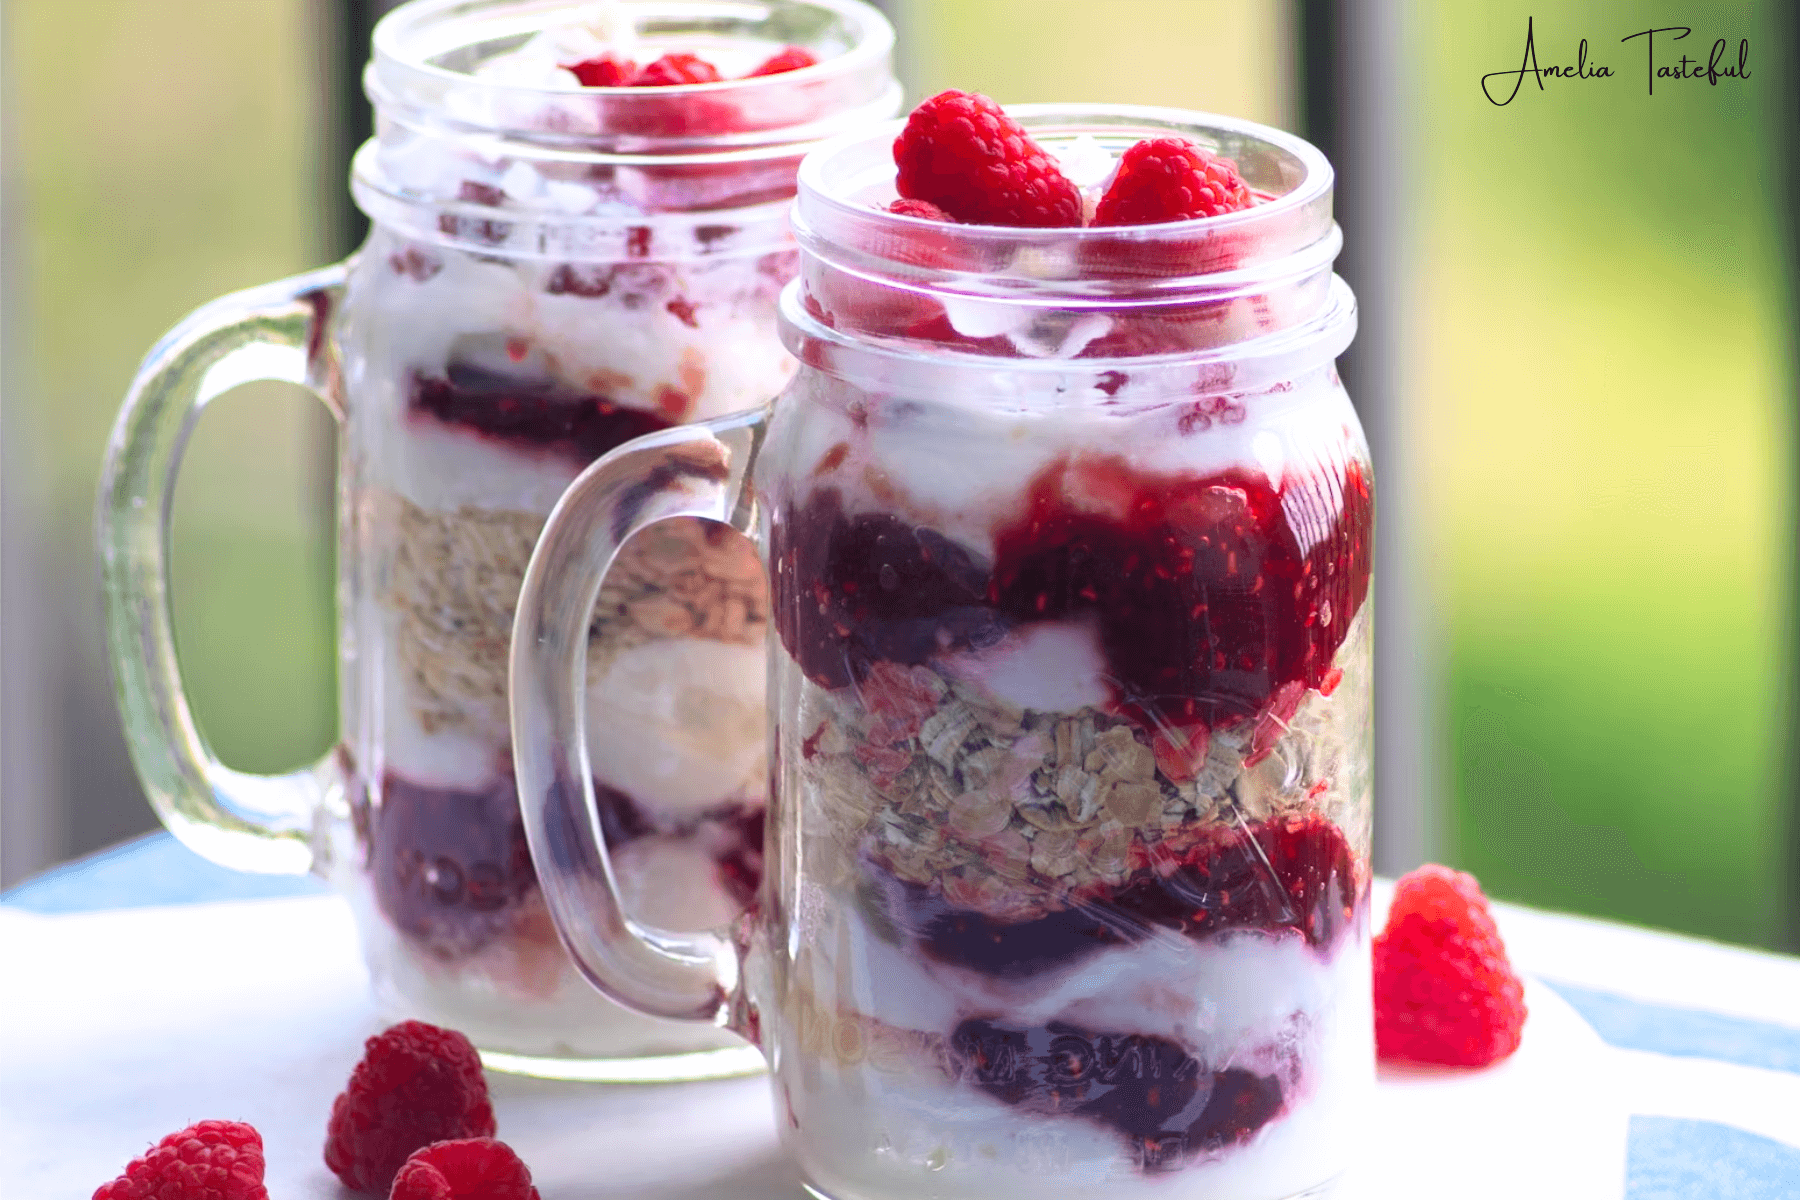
(603, 48)
(962, 159)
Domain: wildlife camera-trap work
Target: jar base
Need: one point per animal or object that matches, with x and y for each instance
(728, 1062)
(1338, 1187)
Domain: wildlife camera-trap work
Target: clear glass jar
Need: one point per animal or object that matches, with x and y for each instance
(552, 271)
(1069, 535)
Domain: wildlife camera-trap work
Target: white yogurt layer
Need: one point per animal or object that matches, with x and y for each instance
(963, 469)
(1085, 162)
(1246, 999)
(727, 360)
(671, 883)
(678, 724)
(518, 995)
(460, 759)
(444, 468)
(1050, 667)
(1228, 999)
(605, 27)
(626, 345)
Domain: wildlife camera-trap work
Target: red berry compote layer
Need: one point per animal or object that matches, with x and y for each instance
(487, 374)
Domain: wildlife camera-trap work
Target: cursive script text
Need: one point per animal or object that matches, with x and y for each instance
(1529, 66)
(1690, 68)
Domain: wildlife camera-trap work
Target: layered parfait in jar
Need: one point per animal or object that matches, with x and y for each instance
(579, 235)
(1069, 530)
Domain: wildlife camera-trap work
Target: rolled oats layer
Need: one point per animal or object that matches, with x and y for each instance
(1015, 813)
(454, 583)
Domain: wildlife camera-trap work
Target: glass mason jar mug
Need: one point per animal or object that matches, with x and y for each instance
(1069, 540)
(552, 270)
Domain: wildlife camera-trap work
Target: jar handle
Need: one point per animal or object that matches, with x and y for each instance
(698, 470)
(280, 331)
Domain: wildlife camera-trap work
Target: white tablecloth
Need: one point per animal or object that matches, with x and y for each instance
(1653, 1068)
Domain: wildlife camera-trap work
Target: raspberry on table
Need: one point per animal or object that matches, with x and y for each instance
(1170, 179)
(672, 69)
(213, 1160)
(416, 1084)
(961, 152)
(464, 1169)
(791, 58)
(608, 70)
(1444, 990)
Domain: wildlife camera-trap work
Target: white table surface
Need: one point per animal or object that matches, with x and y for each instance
(1653, 1068)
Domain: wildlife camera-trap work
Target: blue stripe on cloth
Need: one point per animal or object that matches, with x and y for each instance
(1684, 1032)
(1673, 1159)
(151, 870)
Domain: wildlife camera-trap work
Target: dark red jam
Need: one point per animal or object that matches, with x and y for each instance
(1209, 594)
(741, 858)
(1284, 874)
(1171, 1108)
(851, 591)
(449, 866)
(531, 414)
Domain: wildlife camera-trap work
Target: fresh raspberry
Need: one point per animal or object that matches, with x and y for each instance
(417, 1084)
(790, 59)
(1170, 179)
(608, 70)
(1444, 991)
(961, 152)
(672, 69)
(214, 1160)
(924, 209)
(468, 1169)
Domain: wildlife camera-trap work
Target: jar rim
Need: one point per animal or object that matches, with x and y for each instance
(876, 363)
(407, 80)
(511, 163)
(840, 214)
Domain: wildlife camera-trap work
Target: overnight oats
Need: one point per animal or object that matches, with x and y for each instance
(1073, 680)
(1068, 525)
(579, 238)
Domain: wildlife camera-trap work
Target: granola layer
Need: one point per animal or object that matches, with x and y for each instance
(1014, 813)
(454, 584)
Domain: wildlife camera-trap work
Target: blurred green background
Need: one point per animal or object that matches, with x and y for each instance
(1599, 347)
(1604, 345)
(160, 155)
